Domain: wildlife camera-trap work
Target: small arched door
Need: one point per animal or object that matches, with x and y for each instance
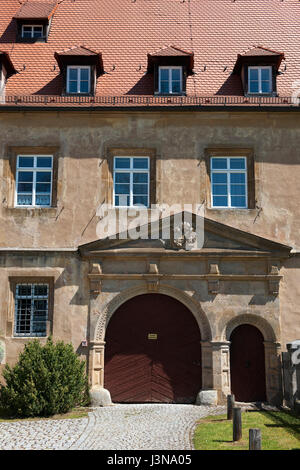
(153, 352)
(247, 364)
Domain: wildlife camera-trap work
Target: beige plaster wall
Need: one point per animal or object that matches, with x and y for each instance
(180, 140)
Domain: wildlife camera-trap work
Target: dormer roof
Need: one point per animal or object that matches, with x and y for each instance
(36, 10)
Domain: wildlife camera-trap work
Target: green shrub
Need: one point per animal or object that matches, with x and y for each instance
(47, 380)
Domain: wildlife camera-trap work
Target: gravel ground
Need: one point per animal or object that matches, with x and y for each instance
(117, 427)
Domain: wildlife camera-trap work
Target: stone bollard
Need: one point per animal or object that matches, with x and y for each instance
(237, 424)
(254, 439)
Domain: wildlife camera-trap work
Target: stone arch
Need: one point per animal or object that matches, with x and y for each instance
(122, 297)
(248, 318)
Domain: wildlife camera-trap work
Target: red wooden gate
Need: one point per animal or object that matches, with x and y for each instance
(247, 364)
(153, 352)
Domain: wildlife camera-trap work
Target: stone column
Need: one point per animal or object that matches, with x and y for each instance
(273, 373)
(99, 395)
(221, 369)
(215, 373)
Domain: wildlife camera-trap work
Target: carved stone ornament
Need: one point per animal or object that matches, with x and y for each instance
(183, 237)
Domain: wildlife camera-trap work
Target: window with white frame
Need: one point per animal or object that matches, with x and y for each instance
(131, 181)
(229, 182)
(34, 180)
(260, 80)
(31, 309)
(78, 79)
(170, 80)
(32, 31)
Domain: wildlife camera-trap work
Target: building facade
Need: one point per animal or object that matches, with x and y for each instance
(96, 118)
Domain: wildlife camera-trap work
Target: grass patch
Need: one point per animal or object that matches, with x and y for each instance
(76, 413)
(280, 431)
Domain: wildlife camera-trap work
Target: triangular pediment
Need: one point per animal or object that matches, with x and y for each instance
(216, 238)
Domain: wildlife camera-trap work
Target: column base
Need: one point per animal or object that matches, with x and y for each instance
(207, 398)
(100, 397)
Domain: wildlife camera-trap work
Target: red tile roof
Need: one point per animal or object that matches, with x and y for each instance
(215, 31)
(36, 10)
(260, 51)
(170, 51)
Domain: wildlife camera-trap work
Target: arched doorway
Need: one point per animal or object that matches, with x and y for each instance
(153, 352)
(247, 364)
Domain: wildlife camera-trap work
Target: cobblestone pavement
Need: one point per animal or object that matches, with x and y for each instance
(117, 427)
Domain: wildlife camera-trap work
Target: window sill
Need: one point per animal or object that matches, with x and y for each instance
(230, 209)
(32, 211)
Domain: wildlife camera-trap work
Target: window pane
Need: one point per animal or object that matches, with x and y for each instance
(122, 200)
(24, 200)
(23, 290)
(219, 163)
(42, 200)
(25, 176)
(24, 187)
(84, 74)
(265, 87)
(140, 163)
(237, 163)
(238, 201)
(219, 189)
(122, 162)
(122, 189)
(37, 32)
(25, 162)
(84, 87)
(140, 189)
(140, 177)
(238, 189)
(44, 162)
(122, 177)
(253, 74)
(43, 188)
(237, 178)
(176, 74)
(265, 74)
(164, 87)
(43, 176)
(73, 74)
(140, 200)
(219, 178)
(254, 88)
(164, 74)
(40, 290)
(220, 201)
(72, 87)
(176, 88)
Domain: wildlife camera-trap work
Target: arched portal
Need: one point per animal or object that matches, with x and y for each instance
(153, 351)
(247, 364)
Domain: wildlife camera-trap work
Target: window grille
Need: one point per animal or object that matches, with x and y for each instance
(31, 309)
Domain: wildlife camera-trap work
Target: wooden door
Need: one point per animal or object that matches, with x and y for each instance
(247, 364)
(153, 352)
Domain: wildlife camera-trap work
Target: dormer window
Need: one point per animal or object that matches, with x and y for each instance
(260, 80)
(34, 20)
(170, 67)
(32, 31)
(258, 68)
(80, 68)
(78, 79)
(170, 80)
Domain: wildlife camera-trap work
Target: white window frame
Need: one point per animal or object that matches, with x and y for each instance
(31, 297)
(131, 170)
(228, 171)
(32, 26)
(78, 68)
(33, 169)
(170, 68)
(260, 68)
